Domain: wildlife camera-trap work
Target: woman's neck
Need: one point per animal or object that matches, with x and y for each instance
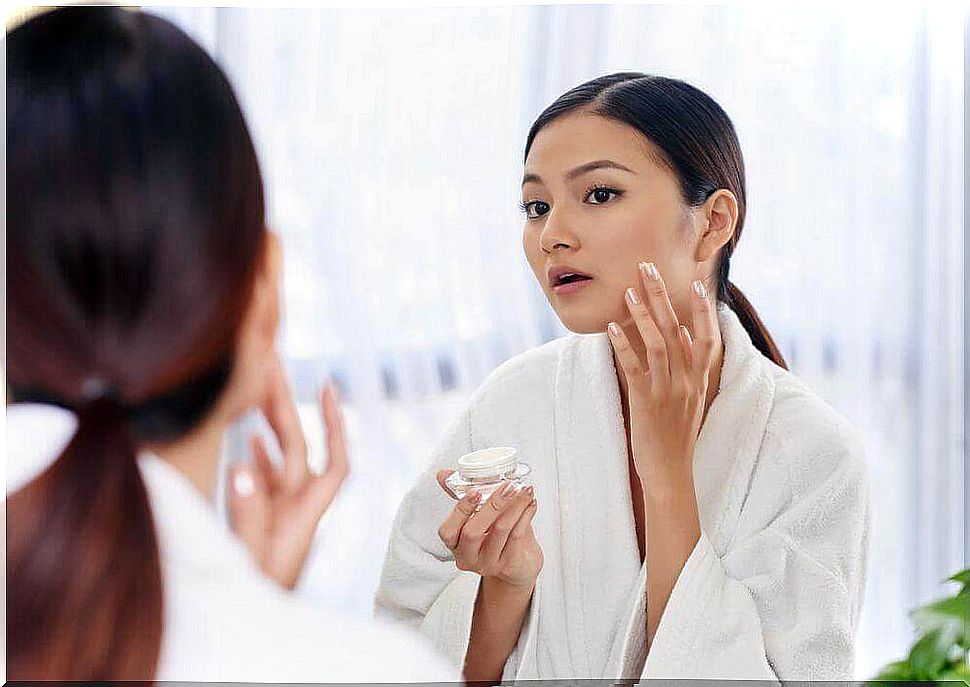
(196, 455)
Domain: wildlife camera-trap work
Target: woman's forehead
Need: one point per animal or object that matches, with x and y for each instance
(582, 137)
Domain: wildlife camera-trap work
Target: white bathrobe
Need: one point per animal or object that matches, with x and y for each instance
(774, 586)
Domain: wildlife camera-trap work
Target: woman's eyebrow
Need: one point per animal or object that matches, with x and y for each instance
(579, 171)
(597, 164)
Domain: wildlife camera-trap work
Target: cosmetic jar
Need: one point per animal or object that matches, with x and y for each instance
(487, 470)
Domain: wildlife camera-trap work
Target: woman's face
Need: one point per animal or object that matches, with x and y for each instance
(255, 350)
(597, 202)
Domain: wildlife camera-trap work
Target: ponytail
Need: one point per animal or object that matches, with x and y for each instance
(107, 208)
(83, 568)
(752, 324)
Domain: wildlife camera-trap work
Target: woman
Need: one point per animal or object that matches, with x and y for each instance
(704, 515)
(142, 298)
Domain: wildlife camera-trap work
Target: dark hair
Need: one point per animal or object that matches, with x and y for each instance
(135, 232)
(699, 145)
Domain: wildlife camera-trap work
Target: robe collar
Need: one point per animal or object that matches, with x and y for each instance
(192, 538)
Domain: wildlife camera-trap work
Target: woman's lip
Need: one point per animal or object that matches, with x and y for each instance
(571, 287)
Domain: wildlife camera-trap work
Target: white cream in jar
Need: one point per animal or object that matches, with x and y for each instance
(486, 470)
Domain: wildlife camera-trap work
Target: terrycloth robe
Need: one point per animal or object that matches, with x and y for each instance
(774, 586)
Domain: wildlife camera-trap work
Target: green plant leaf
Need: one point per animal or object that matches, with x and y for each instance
(957, 673)
(958, 653)
(951, 615)
(929, 655)
(963, 577)
(900, 670)
(941, 652)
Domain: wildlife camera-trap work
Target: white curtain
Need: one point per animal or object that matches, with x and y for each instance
(391, 145)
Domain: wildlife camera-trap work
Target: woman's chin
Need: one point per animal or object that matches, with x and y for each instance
(589, 315)
(590, 324)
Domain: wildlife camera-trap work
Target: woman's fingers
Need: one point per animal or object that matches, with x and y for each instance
(522, 527)
(472, 535)
(322, 489)
(653, 340)
(337, 459)
(665, 317)
(320, 492)
(627, 358)
(443, 475)
(500, 530)
(280, 410)
(249, 508)
(268, 471)
(450, 529)
(705, 324)
(686, 344)
(525, 520)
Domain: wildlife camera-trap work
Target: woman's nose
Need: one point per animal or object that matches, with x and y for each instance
(557, 235)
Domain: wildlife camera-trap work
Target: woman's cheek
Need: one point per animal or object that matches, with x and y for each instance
(530, 247)
(617, 306)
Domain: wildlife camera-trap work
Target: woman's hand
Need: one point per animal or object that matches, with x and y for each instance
(497, 542)
(276, 513)
(667, 388)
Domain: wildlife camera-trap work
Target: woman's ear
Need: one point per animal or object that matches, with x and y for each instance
(719, 218)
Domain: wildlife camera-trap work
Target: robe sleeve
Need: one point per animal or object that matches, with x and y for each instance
(783, 601)
(420, 586)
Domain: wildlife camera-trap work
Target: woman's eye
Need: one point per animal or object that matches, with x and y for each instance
(534, 208)
(598, 196)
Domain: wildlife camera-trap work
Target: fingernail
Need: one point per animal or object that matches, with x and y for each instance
(474, 495)
(614, 329)
(699, 289)
(632, 296)
(243, 483)
(530, 490)
(505, 490)
(651, 271)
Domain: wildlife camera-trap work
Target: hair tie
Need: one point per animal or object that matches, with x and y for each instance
(96, 389)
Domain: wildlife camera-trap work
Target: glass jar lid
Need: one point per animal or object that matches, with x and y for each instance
(487, 462)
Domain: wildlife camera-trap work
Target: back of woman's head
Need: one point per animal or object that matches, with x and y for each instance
(134, 235)
(699, 145)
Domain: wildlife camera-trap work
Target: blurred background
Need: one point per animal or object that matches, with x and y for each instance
(391, 143)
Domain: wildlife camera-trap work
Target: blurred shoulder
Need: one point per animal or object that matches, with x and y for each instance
(36, 434)
(815, 439)
(210, 630)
